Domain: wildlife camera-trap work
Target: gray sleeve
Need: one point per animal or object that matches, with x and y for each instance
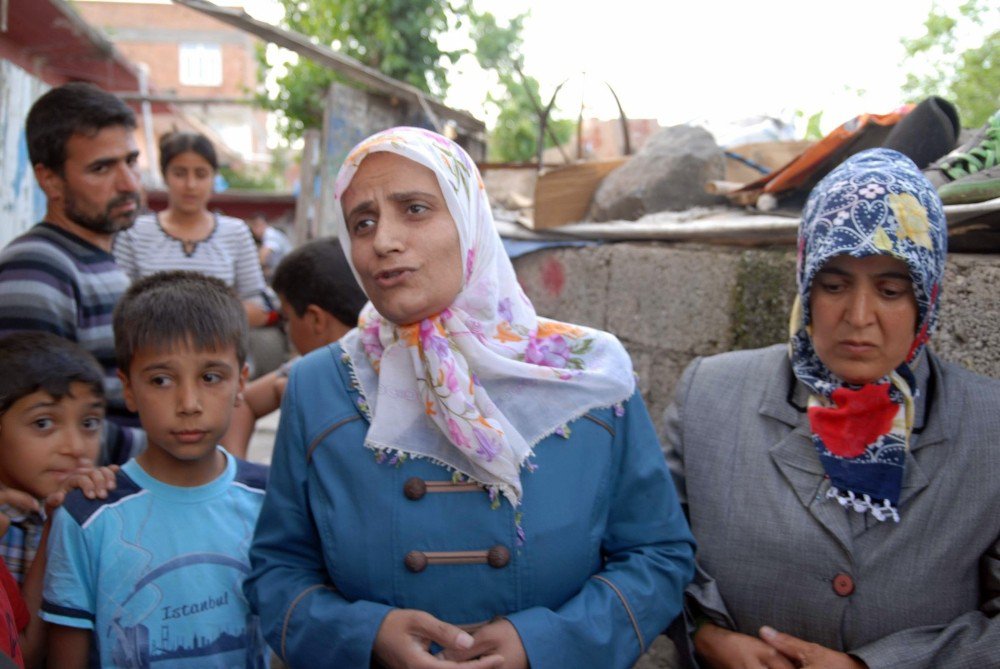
(702, 597)
(970, 640)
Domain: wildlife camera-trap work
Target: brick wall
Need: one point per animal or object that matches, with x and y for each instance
(151, 33)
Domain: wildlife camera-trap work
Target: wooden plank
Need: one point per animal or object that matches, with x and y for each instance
(563, 195)
(771, 155)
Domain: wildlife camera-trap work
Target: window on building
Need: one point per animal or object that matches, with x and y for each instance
(201, 64)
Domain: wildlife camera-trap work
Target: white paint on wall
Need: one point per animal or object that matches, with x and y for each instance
(22, 203)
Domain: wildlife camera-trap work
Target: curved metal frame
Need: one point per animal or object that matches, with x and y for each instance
(544, 120)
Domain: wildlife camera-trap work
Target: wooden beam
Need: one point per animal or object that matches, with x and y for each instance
(135, 96)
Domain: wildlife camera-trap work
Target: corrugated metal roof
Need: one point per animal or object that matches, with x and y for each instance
(55, 44)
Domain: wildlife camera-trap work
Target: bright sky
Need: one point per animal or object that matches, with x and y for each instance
(719, 60)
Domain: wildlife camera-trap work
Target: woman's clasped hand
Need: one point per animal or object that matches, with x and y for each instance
(726, 649)
(407, 637)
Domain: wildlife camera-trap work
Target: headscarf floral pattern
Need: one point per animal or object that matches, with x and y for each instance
(478, 385)
(876, 203)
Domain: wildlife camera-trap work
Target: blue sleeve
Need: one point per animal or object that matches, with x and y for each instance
(649, 559)
(68, 596)
(305, 619)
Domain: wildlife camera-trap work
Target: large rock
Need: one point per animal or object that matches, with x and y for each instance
(668, 174)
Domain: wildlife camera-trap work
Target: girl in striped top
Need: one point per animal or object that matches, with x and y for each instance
(186, 235)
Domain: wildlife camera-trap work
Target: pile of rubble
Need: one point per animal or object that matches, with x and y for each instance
(681, 185)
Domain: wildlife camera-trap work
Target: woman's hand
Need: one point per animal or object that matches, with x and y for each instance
(258, 316)
(94, 482)
(405, 636)
(724, 649)
(498, 637)
(808, 655)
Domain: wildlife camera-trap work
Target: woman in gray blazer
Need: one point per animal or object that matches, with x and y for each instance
(844, 490)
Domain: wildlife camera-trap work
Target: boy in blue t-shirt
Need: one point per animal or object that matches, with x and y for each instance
(320, 301)
(154, 572)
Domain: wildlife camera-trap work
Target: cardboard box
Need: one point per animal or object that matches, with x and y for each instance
(563, 195)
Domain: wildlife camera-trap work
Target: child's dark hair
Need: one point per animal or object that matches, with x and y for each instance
(33, 361)
(170, 308)
(174, 144)
(71, 109)
(317, 273)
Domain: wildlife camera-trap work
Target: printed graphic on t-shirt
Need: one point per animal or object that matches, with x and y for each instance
(161, 622)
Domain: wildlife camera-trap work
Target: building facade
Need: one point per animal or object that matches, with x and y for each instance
(209, 69)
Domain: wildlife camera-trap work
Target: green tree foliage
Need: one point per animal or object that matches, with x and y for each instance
(400, 38)
(813, 131)
(971, 78)
(244, 177)
(396, 37)
(515, 136)
(519, 106)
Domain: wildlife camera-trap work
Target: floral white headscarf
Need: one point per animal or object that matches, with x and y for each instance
(478, 385)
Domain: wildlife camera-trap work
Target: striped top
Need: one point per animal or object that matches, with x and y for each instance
(228, 253)
(55, 281)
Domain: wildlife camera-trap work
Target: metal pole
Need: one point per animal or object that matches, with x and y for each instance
(627, 143)
(306, 205)
(152, 175)
(543, 120)
(579, 119)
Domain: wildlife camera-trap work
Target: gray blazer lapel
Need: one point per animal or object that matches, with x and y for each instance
(931, 426)
(914, 480)
(796, 457)
(799, 463)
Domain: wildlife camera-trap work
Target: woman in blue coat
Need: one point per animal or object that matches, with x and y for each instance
(459, 482)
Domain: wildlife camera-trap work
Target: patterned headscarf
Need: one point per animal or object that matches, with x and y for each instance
(476, 386)
(876, 203)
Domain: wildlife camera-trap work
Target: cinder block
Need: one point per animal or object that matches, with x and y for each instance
(763, 294)
(665, 375)
(569, 284)
(969, 325)
(672, 298)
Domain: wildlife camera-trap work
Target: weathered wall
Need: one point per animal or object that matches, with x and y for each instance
(350, 115)
(22, 203)
(670, 303)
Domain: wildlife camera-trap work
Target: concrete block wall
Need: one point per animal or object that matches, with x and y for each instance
(669, 303)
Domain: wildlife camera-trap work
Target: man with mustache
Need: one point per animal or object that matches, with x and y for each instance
(60, 276)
